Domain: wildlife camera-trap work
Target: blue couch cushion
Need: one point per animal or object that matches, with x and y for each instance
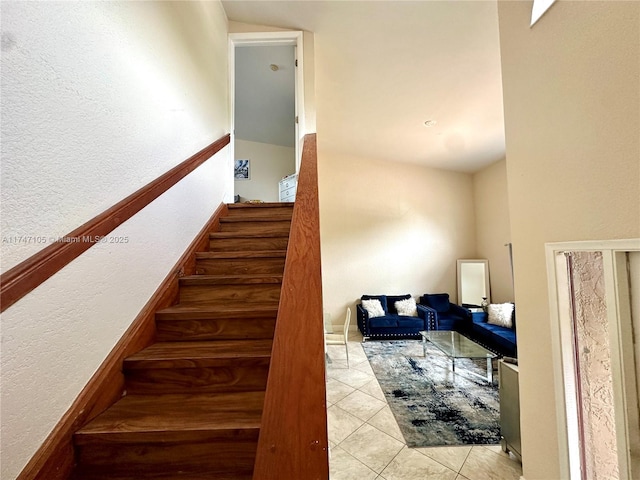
(438, 301)
(391, 302)
(382, 298)
(497, 330)
(386, 321)
(411, 323)
(451, 323)
(501, 338)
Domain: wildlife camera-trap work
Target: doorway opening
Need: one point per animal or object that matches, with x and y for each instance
(265, 104)
(594, 291)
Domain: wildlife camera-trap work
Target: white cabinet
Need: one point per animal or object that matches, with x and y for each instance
(287, 188)
(510, 408)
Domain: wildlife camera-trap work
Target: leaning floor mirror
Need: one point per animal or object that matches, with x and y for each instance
(473, 282)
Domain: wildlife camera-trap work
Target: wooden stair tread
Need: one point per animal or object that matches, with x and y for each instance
(242, 254)
(157, 415)
(199, 353)
(182, 311)
(229, 279)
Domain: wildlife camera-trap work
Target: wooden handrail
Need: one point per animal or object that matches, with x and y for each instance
(293, 435)
(29, 274)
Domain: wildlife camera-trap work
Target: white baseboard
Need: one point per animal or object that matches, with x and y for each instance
(337, 328)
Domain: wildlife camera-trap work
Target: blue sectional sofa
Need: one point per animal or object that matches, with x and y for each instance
(496, 338)
(391, 324)
(448, 316)
(436, 312)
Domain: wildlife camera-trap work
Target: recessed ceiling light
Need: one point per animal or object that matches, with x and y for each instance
(430, 123)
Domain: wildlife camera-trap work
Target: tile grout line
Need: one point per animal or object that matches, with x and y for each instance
(359, 461)
(380, 476)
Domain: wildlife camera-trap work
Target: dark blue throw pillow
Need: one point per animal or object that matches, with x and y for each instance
(438, 301)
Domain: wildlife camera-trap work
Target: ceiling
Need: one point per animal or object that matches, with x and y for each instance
(384, 68)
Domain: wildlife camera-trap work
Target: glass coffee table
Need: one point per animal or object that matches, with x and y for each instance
(455, 346)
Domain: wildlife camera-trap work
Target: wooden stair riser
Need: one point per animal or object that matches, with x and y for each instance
(234, 377)
(142, 460)
(201, 474)
(229, 294)
(282, 227)
(248, 243)
(267, 211)
(214, 329)
(240, 266)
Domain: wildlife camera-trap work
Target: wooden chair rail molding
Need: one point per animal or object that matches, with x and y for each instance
(29, 274)
(293, 435)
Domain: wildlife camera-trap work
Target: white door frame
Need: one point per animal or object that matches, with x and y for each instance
(271, 39)
(621, 344)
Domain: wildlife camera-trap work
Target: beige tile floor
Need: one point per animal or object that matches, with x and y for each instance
(365, 441)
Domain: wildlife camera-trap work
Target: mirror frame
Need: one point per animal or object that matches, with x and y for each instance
(487, 289)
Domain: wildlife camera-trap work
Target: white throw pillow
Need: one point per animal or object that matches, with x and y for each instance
(373, 308)
(407, 307)
(500, 314)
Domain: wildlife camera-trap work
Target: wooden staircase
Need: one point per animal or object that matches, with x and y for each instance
(194, 399)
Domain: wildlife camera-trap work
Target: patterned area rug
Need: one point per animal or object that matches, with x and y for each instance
(433, 406)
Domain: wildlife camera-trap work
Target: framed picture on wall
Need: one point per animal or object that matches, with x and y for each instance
(242, 170)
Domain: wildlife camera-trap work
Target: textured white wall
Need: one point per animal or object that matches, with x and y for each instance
(494, 228)
(572, 117)
(390, 228)
(269, 163)
(98, 99)
(594, 367)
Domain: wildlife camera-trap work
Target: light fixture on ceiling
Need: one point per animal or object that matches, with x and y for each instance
(274, 67)
(430, 123)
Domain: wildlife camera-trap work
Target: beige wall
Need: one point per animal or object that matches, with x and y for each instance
(571, 97)
(390, 228)
(493, 228)
(269, 163)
